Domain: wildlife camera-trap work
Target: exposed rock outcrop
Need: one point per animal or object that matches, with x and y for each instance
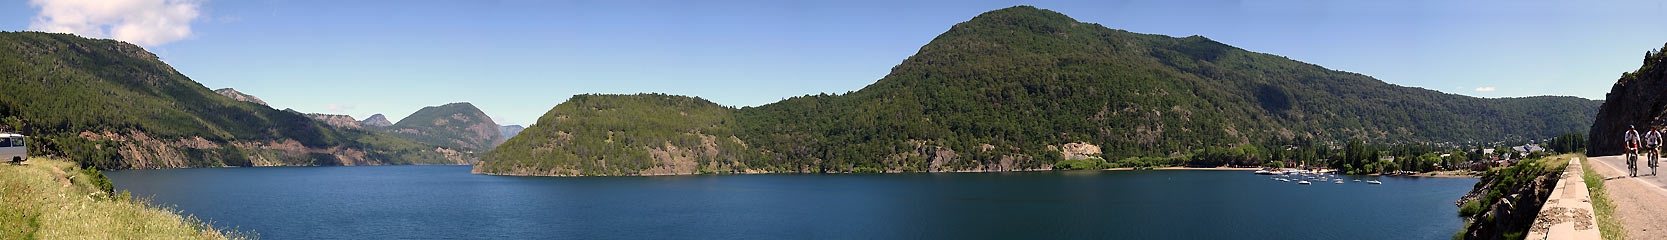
(336, 120)
(376, 121)
(1507, 200)
(1077, 150)
(235, 95)
(138, 150)
(1636, 99)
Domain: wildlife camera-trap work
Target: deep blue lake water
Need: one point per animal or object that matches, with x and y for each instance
(446, 202)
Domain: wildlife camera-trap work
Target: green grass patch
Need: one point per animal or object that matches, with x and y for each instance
(1608, 224)
(56, 199)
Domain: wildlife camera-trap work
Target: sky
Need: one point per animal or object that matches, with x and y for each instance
(517, 59)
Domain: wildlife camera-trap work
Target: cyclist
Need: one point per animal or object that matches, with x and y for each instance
(1652, 142)
(1632, 145)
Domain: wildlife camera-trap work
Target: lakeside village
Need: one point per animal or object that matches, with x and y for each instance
(1414, 161)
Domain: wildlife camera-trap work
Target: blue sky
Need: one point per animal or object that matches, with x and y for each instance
(516, 59)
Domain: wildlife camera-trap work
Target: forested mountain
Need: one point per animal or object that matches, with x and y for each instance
(1004, 90)
(456, 126)
(643, 134)
(113, 105)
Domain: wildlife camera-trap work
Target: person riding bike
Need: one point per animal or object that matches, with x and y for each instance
(1652, 142)
(1632, 145)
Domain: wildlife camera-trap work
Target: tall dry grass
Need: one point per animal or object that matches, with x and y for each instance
(55, 199)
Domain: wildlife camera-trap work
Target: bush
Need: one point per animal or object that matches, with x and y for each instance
(1470, 208)
(98, 179)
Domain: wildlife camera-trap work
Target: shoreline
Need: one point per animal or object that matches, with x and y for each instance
(1190, 168)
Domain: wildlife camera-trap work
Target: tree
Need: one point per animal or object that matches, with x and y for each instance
(1568, 143)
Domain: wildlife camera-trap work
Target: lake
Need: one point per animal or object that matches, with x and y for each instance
(446, 202)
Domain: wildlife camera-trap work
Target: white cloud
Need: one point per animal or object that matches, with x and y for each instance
(1484, 89)
(143, 22)
(338, 108)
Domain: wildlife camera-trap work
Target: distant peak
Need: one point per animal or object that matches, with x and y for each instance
(376, 120)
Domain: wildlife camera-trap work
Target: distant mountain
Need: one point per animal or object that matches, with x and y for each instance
(1005, 91)
(457, 126)
(376, 121)
(336, 120)
(1635, 100)
(113, 105)
(509, 131)
(643, 134)
(235, 95)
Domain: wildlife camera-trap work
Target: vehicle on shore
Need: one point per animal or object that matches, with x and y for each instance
(14, 147)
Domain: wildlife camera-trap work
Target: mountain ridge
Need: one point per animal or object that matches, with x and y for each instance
(1004, 90)
(457, 126)
(113, 105)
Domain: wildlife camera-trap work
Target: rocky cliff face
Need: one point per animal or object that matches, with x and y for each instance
(509, 131)
(336, 120)
(235, 95)
(1507, 200)
(1636, 99)
(376, 121)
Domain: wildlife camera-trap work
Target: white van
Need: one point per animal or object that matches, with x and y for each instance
(13, 147)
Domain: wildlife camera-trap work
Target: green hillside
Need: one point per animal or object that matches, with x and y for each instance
(458, 126)
(1004, 90)
(653, 134)
(113, 105)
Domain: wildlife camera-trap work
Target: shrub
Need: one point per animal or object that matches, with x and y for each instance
(1470, 208)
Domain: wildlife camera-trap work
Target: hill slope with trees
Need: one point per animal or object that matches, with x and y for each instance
(1010, 88)
(455, 126)
(113, 105)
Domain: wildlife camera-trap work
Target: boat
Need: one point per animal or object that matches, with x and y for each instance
(1357, 180)
(1263, 172)
(1284, 180)
(1339, 181)
(1304, 182)
(1374, 182)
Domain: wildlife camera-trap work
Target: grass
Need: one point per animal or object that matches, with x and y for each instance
(1556, 163)
(55, 199)
(1609, 226)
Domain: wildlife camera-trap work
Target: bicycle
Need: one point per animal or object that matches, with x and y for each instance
(1655, 159)
(1632, 161)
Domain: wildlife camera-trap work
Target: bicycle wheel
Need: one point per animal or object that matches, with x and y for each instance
(1632, 165)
